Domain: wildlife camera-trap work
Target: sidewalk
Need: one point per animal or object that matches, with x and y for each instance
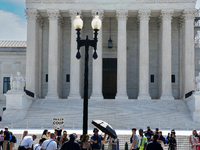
(79, 132)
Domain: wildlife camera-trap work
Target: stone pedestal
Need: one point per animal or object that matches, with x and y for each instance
(193, 103)
(17, 104)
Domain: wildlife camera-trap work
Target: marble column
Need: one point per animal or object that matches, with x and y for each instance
(166, 58)
(74, 62)
(97, 63)
(143, 16)
(122, 16)
(53, 55)
(189, 15)
(32, 51)
(40, 48)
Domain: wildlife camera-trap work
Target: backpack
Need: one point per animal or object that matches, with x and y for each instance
(10, 136)
(14, 139)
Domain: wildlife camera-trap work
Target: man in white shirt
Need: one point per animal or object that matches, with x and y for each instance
(38, 146)
(27, 142)
(49, 144)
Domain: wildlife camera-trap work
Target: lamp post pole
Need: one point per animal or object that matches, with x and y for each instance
(86, 43)
(78, 25)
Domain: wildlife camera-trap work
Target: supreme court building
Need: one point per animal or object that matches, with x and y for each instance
(152, 56)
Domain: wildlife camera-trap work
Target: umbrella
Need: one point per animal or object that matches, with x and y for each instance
(105, 127)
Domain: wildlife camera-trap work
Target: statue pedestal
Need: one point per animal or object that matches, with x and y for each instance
(17, 104)
(193, 103)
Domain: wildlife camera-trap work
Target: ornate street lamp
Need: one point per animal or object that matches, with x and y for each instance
(78, 25)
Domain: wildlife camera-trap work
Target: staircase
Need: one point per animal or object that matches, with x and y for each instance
(123, 114)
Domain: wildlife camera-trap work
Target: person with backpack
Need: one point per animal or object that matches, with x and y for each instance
(6, 138)
(12, 141)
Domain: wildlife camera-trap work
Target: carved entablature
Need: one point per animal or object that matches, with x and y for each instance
(31, 14)
(166, 15)
(189, 14)
(122, 14)
(143, 15)
(110, 1)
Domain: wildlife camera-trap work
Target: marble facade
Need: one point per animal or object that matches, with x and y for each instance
(149, 38)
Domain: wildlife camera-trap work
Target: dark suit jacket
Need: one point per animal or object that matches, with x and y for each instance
(154, 146)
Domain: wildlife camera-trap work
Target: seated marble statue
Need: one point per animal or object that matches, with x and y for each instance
(197, 83)
(17, 82)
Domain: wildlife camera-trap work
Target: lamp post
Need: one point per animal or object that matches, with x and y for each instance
(78, 25)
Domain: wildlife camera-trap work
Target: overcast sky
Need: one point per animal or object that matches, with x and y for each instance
(13, 20)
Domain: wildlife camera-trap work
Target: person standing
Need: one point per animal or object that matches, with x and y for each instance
(25, 133)
(111, 142)
(96, 138)
(161, 139)
(6, 138)
(193, 140)
(44, 134)
(59, 131)
(27, 142)
(38, 146)
(142, 141)
(85, 143)
(12, 141)
(154, 145)
(1, 140)
(71, 144)
(134, 140)
(50, 144)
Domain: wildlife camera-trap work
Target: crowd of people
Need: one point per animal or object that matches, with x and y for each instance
(146, 140)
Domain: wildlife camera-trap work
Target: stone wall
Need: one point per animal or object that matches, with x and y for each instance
(12, 59)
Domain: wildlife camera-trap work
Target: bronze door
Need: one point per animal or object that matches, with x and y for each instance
(109, 78)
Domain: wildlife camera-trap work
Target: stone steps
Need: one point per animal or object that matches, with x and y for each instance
(123, 114)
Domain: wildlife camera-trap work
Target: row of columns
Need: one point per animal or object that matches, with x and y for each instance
(122, 16)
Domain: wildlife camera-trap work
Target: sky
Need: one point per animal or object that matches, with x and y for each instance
(13, 23)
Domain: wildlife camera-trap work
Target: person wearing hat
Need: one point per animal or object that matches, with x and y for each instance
(96, 139)
(6, 138)
(71, 144)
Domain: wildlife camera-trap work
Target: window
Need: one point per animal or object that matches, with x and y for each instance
(67, 78)
(152, 78)
(46, 77)
(6, 84)
(173, 78)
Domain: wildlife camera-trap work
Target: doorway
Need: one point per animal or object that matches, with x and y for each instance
(109, 78)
